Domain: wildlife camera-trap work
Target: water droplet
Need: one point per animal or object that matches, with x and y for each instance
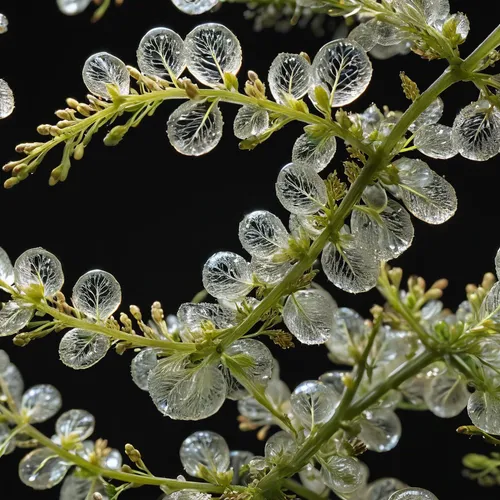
(435, 141)
(343, 68)
(250, 121)
(41, 402)
(212, 50)
(315, 154)
(204, 448)
(42, 469)
(380, 430)
(413, 494)
(14, 316)
(73, 7)
(6, 100)
(103, 69)
(342, 474)
(289, 77)
(313, 403)
(75, 423)
(432, 114)
(280, 447)
(161, 53)
(141, 367)
(484, 411)
(195, 128)
(446, 395)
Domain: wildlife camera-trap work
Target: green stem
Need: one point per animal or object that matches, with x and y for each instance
(301, 490)
(491, 43)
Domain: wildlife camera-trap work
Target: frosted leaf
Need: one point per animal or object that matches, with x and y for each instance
(42, 469)
(269, 272)
(195, 128)
(300, 190)
(490, 307)
(41, 402)
(80, 349)
(5, 434)
(97, 294)
(204, 448)
(412, 172)
(186, 393)
(380, 430)
(388, 233)
(343, 69)
(278, 395)
(446, 395)
(413, 494)
(348, 330)
(195, 7)
(260, 357)
(141, 367)
(433, 11)
(313, 403)
(211, 51)
(289, 77)
(315, 154)
(386, 34)
(161, 53)
(250, 121)
(375, 197)
(14, 381)
(6, 100)
(364, 35)
(432, 114)
(462, 24)
(382, 53)
(195, 319)
(239, 459)
(476, 131)
(435, 141)
(4, 24)
(342, 474)
(382, 489)
(4, 361)
(226, 275)
(78, 488)
(6, 268)
(280, 447)
(350, 267)
(73, 7)
(40, 268)
(262, 234)
(14, 316)
(334, 380)
(311, 478)
(104, 69)
(308, 314)
(484, 411)
(75, 424)
(113, 460)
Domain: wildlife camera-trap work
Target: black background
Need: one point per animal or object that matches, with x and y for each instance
(153, 217)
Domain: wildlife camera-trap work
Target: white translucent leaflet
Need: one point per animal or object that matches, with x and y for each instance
(364, 35)
(80, 349)
(13, 317)
(382, 489)
(280, 447)
(195, 128)
(6, 268)
(141, 367)
(6, 99)
(79, 488)
(250, 121)
(41, 402)
(343, 69)
(476, 131)
(289, 77)
(435, 140)
(75, 424)
(446, 395)
(490, 307)
(314, 153)
(313, 403)
(195, 7)
(375, 197)
(37, 267)
(97, 294)
(484, 411)
(380, 430)
(308, 314)
(211, 51)
(4, 24)
(413, 494)
(184, 393)
(343, 474)
(432, 114)
(226, 275)
(300, 190)
(433, 11)
(73, 7)
(161, 53)
(104, 69)
(42, 469)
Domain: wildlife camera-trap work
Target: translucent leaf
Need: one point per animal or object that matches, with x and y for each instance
(382, 489)
(161, 53)
(269, 272)
(4, 24)
(484, 411)
(490, 307)
(350, 267)
(4, 361)
(112, 460)
(226, 275)
(97, 294)
(432, 11)
(75, 423)
(204, 448)
(311, 478)
(184, 393)
(388, 233)
(313, 403)
(6, 268)
(14, 316)
(476, 131)
(211, 51)
(382, 53)
(80, 349)
(250, 121)
(239, 459)
(300, 190)
(141, 367)
(315, 154)
(446, 395)
(259, 356)
(462, 24)
(435, 141)
(375, 197)
(280, 447)
(343, 69)
(188, 495)
(195, 128)
(342, 474)
(334, 380)
(104, 69)
(364, 35)
(6, 99)
(73, 7)
(386, 34)
(13, 379)
(497, 263)
(78, 488)
(41, 402)
(7, 445)
(262, 234)
(380, 430)
(308, 314)
(42, 469)
(195, 7)
(289, 77)
(40, 268)
(413, 494)
(432, 114)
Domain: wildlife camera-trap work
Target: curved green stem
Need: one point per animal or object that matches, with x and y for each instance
(491, 43)
(301, 490)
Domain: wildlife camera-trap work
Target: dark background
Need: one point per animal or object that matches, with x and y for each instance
(153, 217)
